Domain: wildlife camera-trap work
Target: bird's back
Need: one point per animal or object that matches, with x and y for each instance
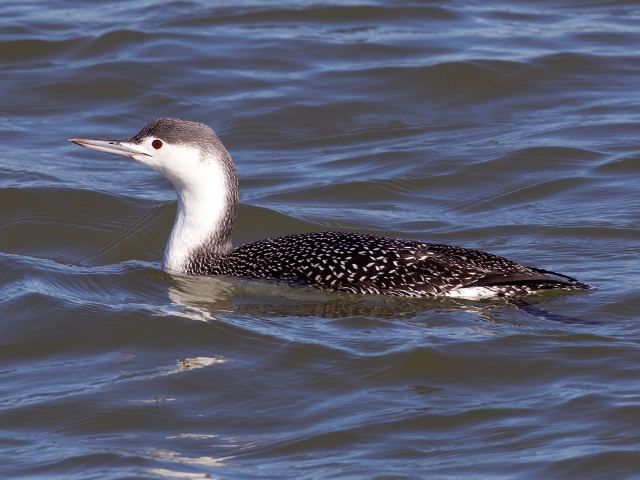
(359, 263)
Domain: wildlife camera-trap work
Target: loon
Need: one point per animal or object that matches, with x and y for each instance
(193, 159)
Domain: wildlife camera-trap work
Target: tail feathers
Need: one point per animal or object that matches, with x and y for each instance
(564, 279)
(539, 278)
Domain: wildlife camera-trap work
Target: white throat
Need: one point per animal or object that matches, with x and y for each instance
(202, 219)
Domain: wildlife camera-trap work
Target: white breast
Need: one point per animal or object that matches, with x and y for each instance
(202, 203)
(472, 293)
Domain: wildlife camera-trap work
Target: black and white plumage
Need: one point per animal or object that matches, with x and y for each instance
(192, 157)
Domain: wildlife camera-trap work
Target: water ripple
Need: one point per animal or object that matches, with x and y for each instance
(507, 127)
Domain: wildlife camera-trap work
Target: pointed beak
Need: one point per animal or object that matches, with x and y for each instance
(117, 147)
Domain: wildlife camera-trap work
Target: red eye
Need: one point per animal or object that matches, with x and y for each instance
(156, 144)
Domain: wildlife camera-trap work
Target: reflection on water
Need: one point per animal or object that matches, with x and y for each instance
(202, 298)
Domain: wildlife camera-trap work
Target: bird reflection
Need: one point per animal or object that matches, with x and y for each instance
(205, 298)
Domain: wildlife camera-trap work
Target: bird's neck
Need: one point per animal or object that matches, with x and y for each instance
(204, 220)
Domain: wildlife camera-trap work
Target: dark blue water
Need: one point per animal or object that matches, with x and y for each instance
(507, 127)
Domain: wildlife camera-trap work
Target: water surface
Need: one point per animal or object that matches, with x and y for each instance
(510, 128)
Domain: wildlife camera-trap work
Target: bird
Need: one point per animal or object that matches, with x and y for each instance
(194, 160)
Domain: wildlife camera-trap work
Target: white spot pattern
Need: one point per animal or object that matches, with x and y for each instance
(402, 267)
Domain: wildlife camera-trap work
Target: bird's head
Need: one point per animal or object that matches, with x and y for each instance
(186, 153)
